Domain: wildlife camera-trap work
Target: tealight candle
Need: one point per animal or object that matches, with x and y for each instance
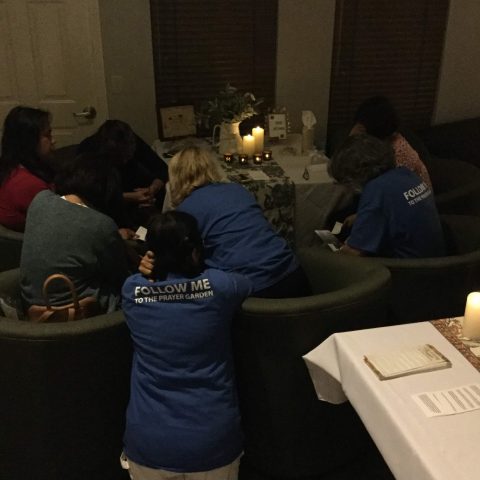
(248, 145)
(228, 157)
(258, 135)
(267, 155)
(243, 159)
(257, 158)
(471, 320)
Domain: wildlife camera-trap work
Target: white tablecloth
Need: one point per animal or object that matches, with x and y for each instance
(315, 198)
(414, 446)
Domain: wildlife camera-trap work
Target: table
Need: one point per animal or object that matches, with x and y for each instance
(413, 445)
(299, 205)
(295, 203)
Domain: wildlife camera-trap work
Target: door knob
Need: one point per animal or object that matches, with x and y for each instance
(88, 112)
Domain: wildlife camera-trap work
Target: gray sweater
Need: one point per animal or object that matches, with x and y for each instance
(80, 242)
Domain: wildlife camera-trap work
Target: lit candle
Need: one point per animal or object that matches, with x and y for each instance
(243, 159)
(228, 157)
(267, 155)
(248, 145)
(258, 134)
(471, 320)
(257, 159)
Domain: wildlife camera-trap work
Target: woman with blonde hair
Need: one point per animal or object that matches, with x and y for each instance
(236, 235)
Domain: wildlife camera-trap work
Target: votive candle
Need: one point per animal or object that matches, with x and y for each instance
(248, 145)
(257, 158)
(258, 135)
(471, 320)
(243, 159)
(228, 157)
(267, 155)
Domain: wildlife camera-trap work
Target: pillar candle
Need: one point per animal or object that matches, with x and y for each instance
(471, 320)
(248, 145)
(258, 134)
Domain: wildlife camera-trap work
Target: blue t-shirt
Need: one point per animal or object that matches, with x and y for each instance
(237, 236)
(183, 412)
(397, 217)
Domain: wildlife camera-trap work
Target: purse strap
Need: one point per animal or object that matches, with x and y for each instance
(71, 286)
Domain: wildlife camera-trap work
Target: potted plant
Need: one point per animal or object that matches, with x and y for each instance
(225, 112)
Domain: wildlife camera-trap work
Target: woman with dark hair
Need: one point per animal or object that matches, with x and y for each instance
(143, 173)
(26, 148)
(183, 417)
(377, 117)
(397, 216)
(70, 232)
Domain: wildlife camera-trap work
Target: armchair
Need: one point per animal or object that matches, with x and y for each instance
(64, 394)
(429, 288)
(289, 432)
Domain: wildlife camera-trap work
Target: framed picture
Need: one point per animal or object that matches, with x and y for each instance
(177, 122)
(277, 125)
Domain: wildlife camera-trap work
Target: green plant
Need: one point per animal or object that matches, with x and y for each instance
(230, 106)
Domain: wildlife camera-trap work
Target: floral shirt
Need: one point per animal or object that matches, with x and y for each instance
(406, 156)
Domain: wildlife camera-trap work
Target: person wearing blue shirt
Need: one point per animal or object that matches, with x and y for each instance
(183, 414)
(237, 236)
(397, 215)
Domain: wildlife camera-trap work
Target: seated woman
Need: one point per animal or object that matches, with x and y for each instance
(397, 216)
(236, 235)
(183, 413)
(70, 233)
(143, 174)
(376, 116)
(26, 147)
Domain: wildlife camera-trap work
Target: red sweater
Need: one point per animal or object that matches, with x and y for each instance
(16, 194)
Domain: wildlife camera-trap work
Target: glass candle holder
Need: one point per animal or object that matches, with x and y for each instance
(257, 158)
(267, 155)
(228, 157)
(243, 159)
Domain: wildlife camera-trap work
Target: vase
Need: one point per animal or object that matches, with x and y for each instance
(229, 139)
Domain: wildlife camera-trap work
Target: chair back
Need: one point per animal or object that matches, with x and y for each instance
(65, 388)
(429, 288)
(10, 248)
(289, 432)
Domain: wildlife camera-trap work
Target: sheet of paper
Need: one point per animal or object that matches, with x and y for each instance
(258, 175)
(141, 233)
(405, 361)
(337, 228)
(329, 238)
(449, 402)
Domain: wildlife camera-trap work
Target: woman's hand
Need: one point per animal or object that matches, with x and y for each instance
(127, 234)
(140, 196)
(156, 186)
(348, 222)
(146, 264)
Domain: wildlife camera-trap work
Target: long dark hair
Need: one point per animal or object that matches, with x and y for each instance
(117, 139)
(92, 177)
(173, 237)
(22, 130)
(378, 116)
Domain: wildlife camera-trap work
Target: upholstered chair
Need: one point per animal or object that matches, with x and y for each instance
(429, 288)
(64, 390)
(10, 248)
(289, 432)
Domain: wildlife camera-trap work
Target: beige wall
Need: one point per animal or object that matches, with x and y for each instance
(305, 39)
(128, 57)
(459, 86)
(304, 53)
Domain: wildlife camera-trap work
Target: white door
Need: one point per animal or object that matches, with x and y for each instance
(51, 58)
